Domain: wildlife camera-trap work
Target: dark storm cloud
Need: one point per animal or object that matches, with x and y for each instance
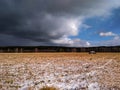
(45, 21)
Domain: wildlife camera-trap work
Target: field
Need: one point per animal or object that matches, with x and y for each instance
(60, 71)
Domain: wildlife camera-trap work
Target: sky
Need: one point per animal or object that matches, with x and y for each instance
(72, 23)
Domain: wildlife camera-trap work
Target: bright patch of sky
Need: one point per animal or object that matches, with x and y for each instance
(92, 27)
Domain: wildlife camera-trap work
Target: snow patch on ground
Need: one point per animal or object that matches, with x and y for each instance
(93, 86)
(62, 74)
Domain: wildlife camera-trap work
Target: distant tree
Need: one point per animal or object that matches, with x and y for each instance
(16, 49)
(61, 50)
(74, 50)
(36, 49)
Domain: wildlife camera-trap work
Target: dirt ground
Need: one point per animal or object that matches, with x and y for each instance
(64, 71)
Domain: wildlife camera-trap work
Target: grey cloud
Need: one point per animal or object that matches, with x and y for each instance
(43, 21)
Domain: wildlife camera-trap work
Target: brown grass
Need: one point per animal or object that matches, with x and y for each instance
(48, 88)
(110, 75)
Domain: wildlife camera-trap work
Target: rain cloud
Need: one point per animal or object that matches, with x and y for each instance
(48, 22)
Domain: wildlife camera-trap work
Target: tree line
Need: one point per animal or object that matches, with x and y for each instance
(23, 49)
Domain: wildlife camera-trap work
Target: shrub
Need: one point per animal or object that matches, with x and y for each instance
(48, 88)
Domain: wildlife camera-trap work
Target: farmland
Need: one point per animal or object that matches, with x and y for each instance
(63, 71)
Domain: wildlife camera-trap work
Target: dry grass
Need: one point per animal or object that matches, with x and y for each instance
(48, 88)
(17, 68)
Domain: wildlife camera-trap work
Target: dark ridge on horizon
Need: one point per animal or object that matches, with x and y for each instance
(30, 49)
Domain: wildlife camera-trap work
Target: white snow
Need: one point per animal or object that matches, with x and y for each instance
(62, 74)
(93, 86)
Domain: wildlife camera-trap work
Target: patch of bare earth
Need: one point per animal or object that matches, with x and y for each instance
(60, 71)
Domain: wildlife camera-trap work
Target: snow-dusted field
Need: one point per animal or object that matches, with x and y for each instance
(64, 71)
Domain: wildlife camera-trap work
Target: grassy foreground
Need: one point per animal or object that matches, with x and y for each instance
(76, 71)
